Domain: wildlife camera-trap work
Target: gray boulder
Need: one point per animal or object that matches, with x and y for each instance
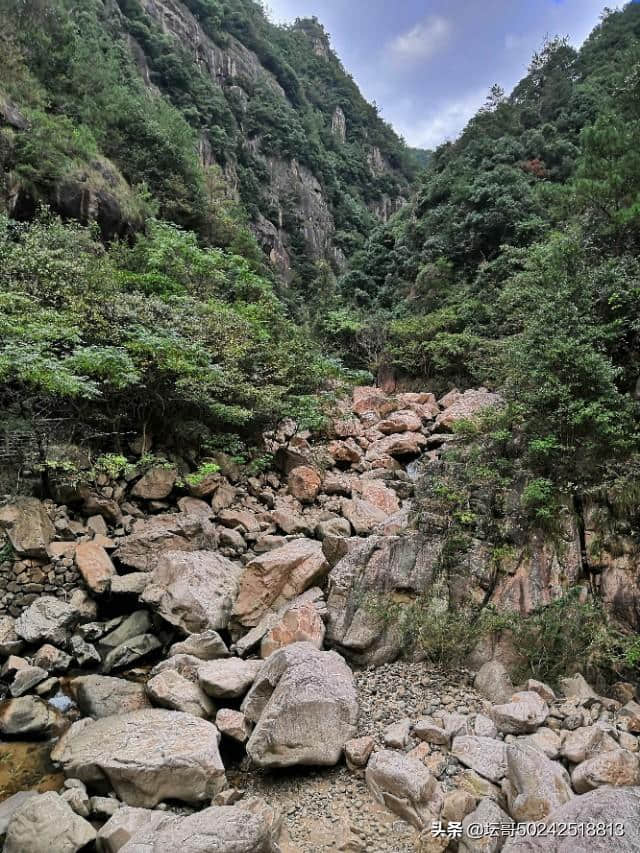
(102, 696)
(405, 786)
(45, 824)
(228, 679)
(494, 683)
(535, 785)
(486, 756)
(28, 527)
(305, 707)
(171, 690)
(46, 620)
(145, 756)
(28, 716)
(208, 645)
(152, 537)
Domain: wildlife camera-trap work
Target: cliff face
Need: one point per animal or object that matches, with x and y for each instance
(270, 110)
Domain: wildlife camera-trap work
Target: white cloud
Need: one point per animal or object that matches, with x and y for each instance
(422, 41)
(444, 124)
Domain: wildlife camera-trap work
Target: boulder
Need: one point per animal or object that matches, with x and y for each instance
(298, 624)
(576, 687)
(398, 446)
(486, 756)
(545, 739)
(156, 484)
(52, 659)
(494, 683)
(381, 496)
(616, 806)
(426, 729)
(28, 527)
(145, 756)
(131, 584)
(344, 453)
(629, 715)
(124, 824)
(525, 713)
(305, 707)
(103, 696)
(46, 823)
(193, 591)
(484, 726)
(10, 806)
(95, 566)
(586, 742)
(616, 767)
(543, 690)
(151, 537)
(357, 752)
(121, 630)
(28, 716)
(228, 679)
(363, 516)
(233, 724)
(46, 620)
(186, 665)
(223, 829)
(171, 690)
(207, 645)
(10, 642)
(405, 786)
(404, 420)
(131, 651)
(304, 483)
(467, 406)
(487, 814)
(239, 519)
(26, 679)
(535, 785)
(276, 577)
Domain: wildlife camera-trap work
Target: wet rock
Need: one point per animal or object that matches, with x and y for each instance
(193, 591)
(103, 696)
(404, 786)
(47, 823)
(305, 708)
(147, 756)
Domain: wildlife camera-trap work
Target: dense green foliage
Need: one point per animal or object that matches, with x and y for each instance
(517, 263)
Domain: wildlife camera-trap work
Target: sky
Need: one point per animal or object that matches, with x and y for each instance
(429, 64)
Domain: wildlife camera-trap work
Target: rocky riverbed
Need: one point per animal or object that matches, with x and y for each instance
(191, 662)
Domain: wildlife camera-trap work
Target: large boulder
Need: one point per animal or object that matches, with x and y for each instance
(151, 537)
(535, 785)
(373, 572)
(46, 620)
(156, 484)
(617, 768)
(466, 406)
(145, 756)
(102, 696)
(193, 591)
(274, 578)
(304, 483)
(363, 515)
(305, 707)
(207, 645)
(486, 756)
(487, 814)
(241, 828)
(525, 713)
(405, 786)
(28, 716)
(28, 527)
(47, 824)
(171, 690)
(494, 682)
(95, 566)
(228, 679)
(618, 807)
(298, 624)
(399, 446)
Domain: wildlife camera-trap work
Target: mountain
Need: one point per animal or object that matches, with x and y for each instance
(177, 107)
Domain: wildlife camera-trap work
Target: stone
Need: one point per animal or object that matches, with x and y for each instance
(479, 787)
(10, 642)
(525, 713)
(617, 806)
(95, 566)
(545, 739)
(536, 785)
(429, 731)
(630, 715)
(487, 813)
(586, 742)
(333, 527)
(467, 406)
(232, 539)
(494, 683)
(543, 690)
(85, 653)
(153, 536)
(26, 679)
(156, 484)
(403, 420)
(616, 767)
(357, 751)
(298, 624)
(193, 591)
(46, 620)
(457, 805)
(304, 483)
(171, 690)
(363, 516)
(12, 665)
(145, 756)
(576, 687)
(46, 823)
(205, 487)
(228, 679)
(396, 736)
(195, 506)
(381, 496)
(223, 829)
(233, 724)
(78, 799)
(132, 584)
(98, 525)
(124, 824)
(486, 756)
(103, 696)
(239, 519)
(207, 645)
(484, 726)
(27, 526)
(345, 453)
(398, 445)
(305, 707)
(404, 786)
(10, 806)
(186, 665)
(223, 498)
(131, 651)
(138, 622)
(109, 509)
(103, 808)
(28, 716)
(272, 579)
(51, 659)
